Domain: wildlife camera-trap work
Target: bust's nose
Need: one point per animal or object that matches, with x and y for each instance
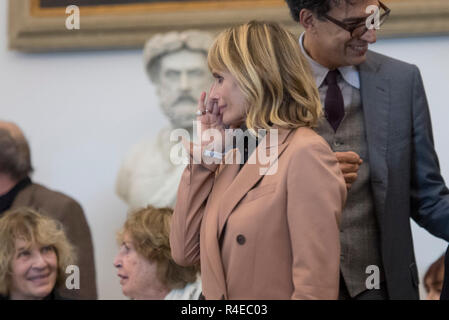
(184, 82)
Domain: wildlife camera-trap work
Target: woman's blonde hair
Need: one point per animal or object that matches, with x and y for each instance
(34, 228)
(272, 73)
(149, 230)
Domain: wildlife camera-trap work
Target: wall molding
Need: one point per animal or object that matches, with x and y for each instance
(33, 29)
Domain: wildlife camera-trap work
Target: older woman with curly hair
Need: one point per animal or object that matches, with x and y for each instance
(144, 263)
(34, 254)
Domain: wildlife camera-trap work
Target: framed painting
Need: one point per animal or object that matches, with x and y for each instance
(40, 25)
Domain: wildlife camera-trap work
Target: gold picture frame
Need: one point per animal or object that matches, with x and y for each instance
(34, 29)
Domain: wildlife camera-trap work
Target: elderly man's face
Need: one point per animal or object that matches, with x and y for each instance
(183, 76)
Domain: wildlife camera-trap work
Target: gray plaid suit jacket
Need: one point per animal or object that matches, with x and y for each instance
(405, 173)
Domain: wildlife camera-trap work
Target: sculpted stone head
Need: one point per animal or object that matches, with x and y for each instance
(176, 63)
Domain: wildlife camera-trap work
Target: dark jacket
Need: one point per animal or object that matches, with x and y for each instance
(405, 173)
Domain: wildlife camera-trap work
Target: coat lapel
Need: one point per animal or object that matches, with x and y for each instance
(249, 175)
(225, 175)
(375, 92)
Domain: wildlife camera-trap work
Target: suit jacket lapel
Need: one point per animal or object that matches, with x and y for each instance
(248, 176)
(225, 176)
(375, 92)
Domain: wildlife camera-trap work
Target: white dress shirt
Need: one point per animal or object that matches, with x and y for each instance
(348, 81)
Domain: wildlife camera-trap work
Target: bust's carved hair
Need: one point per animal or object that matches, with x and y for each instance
(166, 43)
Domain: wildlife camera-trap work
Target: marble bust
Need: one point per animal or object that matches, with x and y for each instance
(176, 64)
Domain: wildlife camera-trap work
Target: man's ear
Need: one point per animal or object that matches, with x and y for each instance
(307, 19)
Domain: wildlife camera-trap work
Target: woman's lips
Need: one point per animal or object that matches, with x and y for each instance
(122, 278)
(39, 279)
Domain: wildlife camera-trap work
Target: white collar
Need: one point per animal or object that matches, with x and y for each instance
(349, 73)
(191, 291)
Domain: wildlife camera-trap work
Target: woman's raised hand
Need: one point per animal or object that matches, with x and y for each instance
(210, 127)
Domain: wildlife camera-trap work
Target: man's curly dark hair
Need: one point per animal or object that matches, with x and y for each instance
(319, 7)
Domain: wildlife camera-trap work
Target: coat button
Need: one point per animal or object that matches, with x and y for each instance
(241, 239)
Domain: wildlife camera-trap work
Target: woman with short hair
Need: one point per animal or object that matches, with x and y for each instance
(144, 263)
(34, 255)
(260, 231)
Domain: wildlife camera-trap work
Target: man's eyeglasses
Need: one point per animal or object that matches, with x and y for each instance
(357, 27)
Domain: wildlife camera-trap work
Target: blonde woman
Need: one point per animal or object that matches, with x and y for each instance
(34, 254)
(144, 263)
(261, 235)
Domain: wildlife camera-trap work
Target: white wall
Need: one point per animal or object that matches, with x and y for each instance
(82, 111)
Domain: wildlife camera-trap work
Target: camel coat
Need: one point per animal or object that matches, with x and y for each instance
(264, 233)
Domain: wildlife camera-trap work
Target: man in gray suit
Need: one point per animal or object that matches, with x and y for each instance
(378, 123)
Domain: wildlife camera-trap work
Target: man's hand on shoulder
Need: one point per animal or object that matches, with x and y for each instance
(349, 164)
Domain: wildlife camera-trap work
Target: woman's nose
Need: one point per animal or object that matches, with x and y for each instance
(39, 261)
(213, 93)
(117, 261)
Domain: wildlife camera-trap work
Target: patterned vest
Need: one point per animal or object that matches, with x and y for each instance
(359, 235)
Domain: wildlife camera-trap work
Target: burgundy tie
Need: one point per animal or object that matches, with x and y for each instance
(334, 105)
